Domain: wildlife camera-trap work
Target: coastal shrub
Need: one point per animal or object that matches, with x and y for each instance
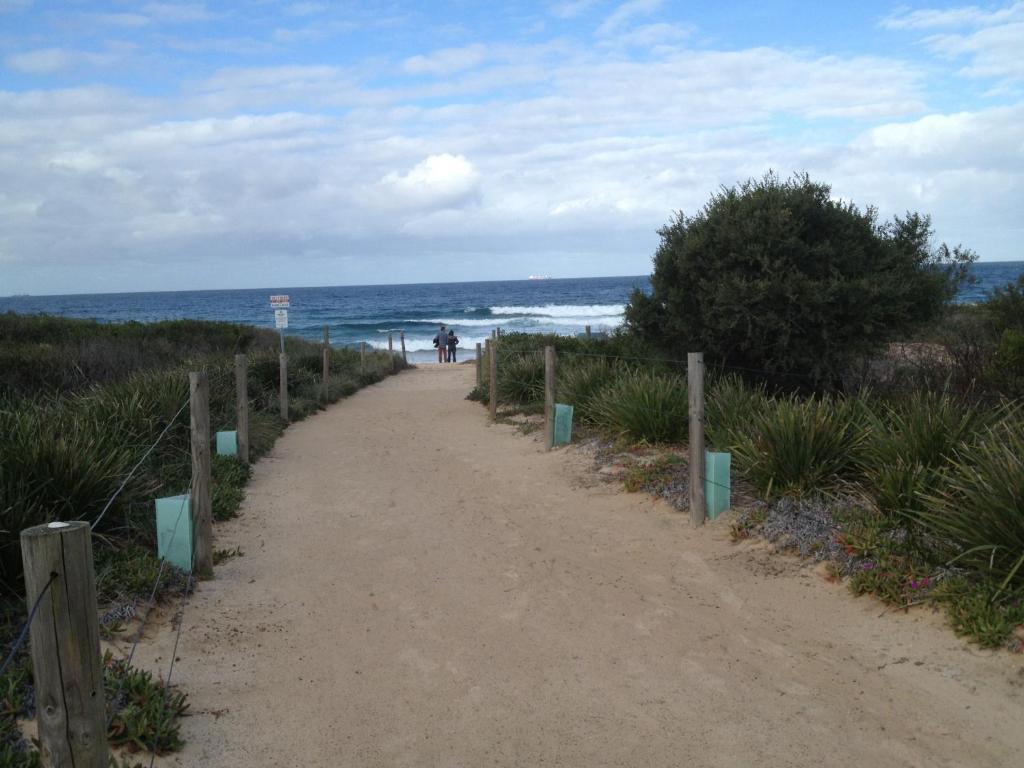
(909, 445)
(801, 447)
(579, 382)
(46, 354)
(729, 405)
(979, 509)
(780, 277)
(643, 406)
(1007, 367)
(521, 378)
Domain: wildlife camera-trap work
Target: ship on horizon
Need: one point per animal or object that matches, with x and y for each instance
(540, 277)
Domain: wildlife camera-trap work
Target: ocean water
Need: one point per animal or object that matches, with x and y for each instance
(370, 313)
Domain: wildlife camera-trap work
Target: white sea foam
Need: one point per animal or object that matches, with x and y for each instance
(509, 320)
(467, 345)
(562, 310)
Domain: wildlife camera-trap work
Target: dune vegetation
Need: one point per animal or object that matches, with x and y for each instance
(80, 404)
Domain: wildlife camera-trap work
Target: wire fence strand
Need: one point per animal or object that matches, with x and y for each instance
(138, 464)
(116, 701)
(24, 630)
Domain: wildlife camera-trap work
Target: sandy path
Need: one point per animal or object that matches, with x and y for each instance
(422, 589)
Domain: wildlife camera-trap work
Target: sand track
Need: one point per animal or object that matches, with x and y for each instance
(420, 588)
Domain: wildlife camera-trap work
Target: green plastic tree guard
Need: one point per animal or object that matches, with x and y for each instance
(174, 530)
(717, 487)
(563, 424)
(227, 443)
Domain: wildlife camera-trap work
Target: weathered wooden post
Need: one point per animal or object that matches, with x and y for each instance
(201, 499)
(586, 329)
(283, 385)
(65, 641)
(391, 351)
(479, 365)
(401, 337)
(695, 389)
(362, 357)
(549, 397)
(242, 407)
(494, 333)
(327, 362)
(492, 359)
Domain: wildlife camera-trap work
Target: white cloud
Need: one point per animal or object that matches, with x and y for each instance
(572, 8)
(177, 13)
(994, 52)
(48, 60)
(305, 9)
(964, 16)
(993, 40)
(446, 61)
(625, 13)
(512, 150)
(438, 182)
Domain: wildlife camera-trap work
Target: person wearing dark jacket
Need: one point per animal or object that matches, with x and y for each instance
(441, 342)
(453, 342)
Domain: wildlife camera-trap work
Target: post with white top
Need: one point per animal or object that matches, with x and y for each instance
(549, 397)
(695, 388)
(362, 357)
(65, 643)
(401, 338)
(242, 407)
(479, 365)
(202, 501)
(326, 378)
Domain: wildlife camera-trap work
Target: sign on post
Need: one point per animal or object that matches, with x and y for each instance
(280, 303)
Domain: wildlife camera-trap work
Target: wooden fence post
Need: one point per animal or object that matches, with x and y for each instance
(391, 351)
(479, 365)
(242, 407)
(549, 397)
(695, 388)
(327, 362)
(586, 329)
(362, 357)
(282, 397)
(201, 500)
(492, 359)
(65, 641)
(401, 337)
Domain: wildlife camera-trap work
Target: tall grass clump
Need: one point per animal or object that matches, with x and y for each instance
(729, 406)
(909, 445)
(979, 509)
(580, 382)
(521, 378)
(644, 406)
(801, 447)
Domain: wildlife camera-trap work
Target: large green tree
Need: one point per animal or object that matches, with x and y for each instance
(777, 276)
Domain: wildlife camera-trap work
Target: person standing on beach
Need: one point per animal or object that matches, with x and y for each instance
(453, 342)
(441, 342)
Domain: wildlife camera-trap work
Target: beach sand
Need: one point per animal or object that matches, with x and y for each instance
(422, 588)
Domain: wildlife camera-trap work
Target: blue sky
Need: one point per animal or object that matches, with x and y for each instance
(149, 145)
